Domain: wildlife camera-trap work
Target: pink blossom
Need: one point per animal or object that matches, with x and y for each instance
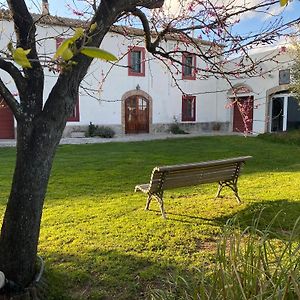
(191, 7)
(282, 49)
(207, 30)
(75, 12)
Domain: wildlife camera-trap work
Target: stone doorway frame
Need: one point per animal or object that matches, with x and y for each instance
(240, 90)
(269, 94)
(136, 93)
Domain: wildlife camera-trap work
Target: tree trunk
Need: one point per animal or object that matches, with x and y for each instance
(39, 130)
(36, 145)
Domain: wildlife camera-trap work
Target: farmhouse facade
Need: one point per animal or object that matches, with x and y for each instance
(270, 105)
(140, 95)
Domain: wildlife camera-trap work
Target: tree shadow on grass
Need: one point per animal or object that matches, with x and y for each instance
(105, 275)
(114, 275)
(186, 218)
(278, 215)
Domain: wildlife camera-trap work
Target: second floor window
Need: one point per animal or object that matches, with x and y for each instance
(284, 76)
(136, 61)
(188, 66)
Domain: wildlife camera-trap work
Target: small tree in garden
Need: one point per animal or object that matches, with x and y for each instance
(296, 71)
(40, 124)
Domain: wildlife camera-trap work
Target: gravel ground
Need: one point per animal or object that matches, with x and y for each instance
(123, 138)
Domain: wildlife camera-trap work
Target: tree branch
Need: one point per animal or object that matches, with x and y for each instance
(151, 46)
(14, 72)
(24, 26)
(10, 100)
(151, 4)
(25, 32)
(138, 13)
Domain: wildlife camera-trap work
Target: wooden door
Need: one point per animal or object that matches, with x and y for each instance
(6, 121)
(136, 115)
(243, 114)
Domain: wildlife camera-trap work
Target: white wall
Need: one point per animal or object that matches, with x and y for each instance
(106, 109)
(158, 83)
(273, 62)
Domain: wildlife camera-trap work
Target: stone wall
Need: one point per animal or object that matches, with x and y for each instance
(205, 127)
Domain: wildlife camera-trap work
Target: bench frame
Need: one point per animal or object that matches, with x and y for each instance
(203, 171)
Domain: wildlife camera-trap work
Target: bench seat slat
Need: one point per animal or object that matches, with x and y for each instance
(186, 179)
(204, 164)
(198, 176)
(201, 170)
(224, 171)
(191, 182)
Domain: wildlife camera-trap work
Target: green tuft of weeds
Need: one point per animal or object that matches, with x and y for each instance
(249, 264)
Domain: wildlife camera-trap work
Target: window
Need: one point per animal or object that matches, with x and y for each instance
(189, 66)
(188, 108)
(59, 41)
(136, 61)
(75, 114)
(284, 76)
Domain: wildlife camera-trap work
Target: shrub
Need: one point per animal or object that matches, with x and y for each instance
(105, 132)
(249, 264)
(175, 128)
(102, 131)
(216, 126)
(92, 129)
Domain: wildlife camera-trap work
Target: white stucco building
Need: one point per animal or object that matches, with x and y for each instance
(271, 106)
(140, 95)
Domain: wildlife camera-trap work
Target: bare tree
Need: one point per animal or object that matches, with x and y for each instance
(40, 125)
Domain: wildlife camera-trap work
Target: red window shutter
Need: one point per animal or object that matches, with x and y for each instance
(136, 55)
(188, 108)
(75, 114)
(59, 40)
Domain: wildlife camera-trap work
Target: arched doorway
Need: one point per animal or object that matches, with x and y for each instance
(6, 121)
(242, 100)
(136, 114)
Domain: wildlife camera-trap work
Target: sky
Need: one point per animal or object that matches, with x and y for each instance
(250, 23)
(66, 8)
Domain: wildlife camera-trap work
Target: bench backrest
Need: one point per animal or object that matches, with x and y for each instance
(168, 177)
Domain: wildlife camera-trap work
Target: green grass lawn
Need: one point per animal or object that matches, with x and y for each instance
(99, 243)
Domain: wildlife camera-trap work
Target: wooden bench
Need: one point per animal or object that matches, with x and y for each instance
(224, 171)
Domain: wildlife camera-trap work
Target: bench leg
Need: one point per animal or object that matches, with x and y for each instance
(148, 201)
(233, 186)
(219, 189)
(159, 198)
(235, 190)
